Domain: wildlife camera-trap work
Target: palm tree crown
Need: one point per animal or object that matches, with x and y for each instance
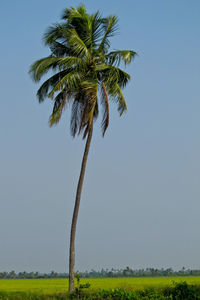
(84, 69)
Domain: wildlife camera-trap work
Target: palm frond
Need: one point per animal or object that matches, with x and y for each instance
(102, 67)
(42, 66)
(69, 82)
(93, 102)
(123, 78)
(96, 27)
(95, 30)
(59, 105)
(71, 62)
(112, 75)
(59, 49)
(42, 93)
(122, 107)
(90, 89)
(84, 116)
(77, 44)
(86, 131)
(76, 115)
(118, 96)
(89, 86)
(96, 111)
(105, 105)
(110, 27)
(115, 57)
(58, 31)
(71, 13)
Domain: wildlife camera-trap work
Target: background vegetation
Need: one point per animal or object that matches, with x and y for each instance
(104, 273)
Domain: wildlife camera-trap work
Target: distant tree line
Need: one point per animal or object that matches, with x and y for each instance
(127, 272)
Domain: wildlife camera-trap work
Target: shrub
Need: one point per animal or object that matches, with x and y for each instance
(183, 291)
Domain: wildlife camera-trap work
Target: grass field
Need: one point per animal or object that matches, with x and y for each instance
(52, 286)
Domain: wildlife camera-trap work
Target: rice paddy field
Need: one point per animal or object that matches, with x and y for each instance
(53, 286)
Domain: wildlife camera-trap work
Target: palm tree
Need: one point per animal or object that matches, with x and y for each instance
(85, 74)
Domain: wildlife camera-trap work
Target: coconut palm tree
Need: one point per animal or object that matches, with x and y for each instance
(85, 74)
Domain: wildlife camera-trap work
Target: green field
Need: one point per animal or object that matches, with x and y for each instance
(52, 286)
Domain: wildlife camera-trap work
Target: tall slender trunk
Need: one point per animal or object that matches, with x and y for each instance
(75, 213)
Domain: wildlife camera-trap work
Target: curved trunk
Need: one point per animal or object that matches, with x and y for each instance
(75, 213)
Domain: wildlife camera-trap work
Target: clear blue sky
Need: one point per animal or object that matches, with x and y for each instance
(140, 204)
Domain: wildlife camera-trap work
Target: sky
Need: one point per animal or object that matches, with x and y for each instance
(140, 203)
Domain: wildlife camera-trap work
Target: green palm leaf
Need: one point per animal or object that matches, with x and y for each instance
(110, 27)
(43, 91)
(59, 49)
(56, 32)
(59, 105)
(115, 57)
(77, 44)
(83, 68)
(69, 82)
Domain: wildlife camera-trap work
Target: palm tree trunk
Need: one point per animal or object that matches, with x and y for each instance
(75, 213)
